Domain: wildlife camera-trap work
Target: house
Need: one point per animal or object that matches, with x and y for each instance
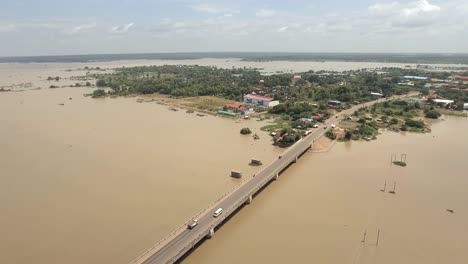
(465, 106)
(459, 78)
(295, 78)
(260, 100)
(259, 91)
(236, 107)
(376, 94)
(316, 116)
(334, 103)
(443, 101)
(416, 78)
(306, 120)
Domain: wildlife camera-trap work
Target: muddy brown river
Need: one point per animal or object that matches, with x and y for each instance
(101, 180)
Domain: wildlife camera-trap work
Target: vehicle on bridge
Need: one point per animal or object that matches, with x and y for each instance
(218, 212)
(192, 224)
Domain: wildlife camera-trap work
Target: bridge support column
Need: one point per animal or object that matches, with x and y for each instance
(249, 201)
(276, 176)
(295, 160)
(211, 233)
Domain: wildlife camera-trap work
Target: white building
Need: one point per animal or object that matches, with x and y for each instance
(465, 106)
(443, 101)
(260, 100)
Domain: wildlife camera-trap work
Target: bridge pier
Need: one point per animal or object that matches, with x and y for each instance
(295, 160)
(211, 233)
(276, 176)
(249, 201)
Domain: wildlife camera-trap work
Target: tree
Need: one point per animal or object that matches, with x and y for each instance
(393, 121)
(434, 114)
(348, 135)
(99, 93)
(414, 123)
(245, 131)
(88, 84)
(101, 83)
(330, 134)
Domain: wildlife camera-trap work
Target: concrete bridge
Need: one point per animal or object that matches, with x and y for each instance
(176, 245)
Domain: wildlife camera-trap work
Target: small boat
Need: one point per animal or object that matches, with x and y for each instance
(255, 136)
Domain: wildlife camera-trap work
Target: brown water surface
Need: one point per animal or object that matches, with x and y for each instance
(321, 207)
(101, 180)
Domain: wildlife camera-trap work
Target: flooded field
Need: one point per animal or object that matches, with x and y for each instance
(87, 180)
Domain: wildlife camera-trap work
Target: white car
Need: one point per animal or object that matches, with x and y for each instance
(332, 126)
(192, 224)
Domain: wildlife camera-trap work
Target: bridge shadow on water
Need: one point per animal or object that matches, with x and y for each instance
(188, 253)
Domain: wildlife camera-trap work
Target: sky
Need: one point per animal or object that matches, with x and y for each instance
(63, 27)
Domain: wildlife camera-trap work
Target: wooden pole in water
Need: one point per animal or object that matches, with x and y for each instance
(384, 187)
(378, 236)
(394, 187)
(364, 238)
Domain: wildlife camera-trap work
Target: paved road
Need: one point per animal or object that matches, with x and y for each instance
(183, 239)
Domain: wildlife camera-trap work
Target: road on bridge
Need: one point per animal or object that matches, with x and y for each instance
(183, 239)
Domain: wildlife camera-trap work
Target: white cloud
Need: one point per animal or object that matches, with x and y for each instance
(7, 28)
(282, 29)
(413, 14)
(121, 29)
(420, 7)
(81, 28)
(265, 13)
(212, 9)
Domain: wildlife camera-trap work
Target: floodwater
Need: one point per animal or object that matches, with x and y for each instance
(319, 209)
(101, 180)
(268, 67)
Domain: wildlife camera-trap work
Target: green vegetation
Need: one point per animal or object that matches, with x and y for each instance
(277, 124)
(287, 137)
(98, 93)
(434, 114)
(414, 123)
(245, 131)
(330, 134)
(396, 115)
(303, 102)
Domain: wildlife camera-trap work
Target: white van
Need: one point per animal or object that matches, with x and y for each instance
(218, 212)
